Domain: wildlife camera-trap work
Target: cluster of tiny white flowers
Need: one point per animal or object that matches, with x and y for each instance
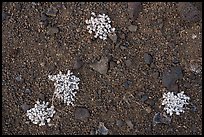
(65, 86)
(174, 103)
(40, 114)
(100, 25)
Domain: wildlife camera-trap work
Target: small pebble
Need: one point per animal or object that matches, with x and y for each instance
(93, 132)
(198, 5)
(3, 16)
(78, 63)
(113, 64)
(41, 96)
(132, 28)
(102, 130)
(82, 3)
(192, 76)
(157, 118)
(167, 79)
(189, 12)
(19, 78)
(127, 83)
(140, 94)
(33, 3)
(122, 35)
(43, 17)
(128, 62)
(28, 91)
(166, 119)
(119, 123)
(175, 61)
(129, 123)
(144, 98)
(99, 93)
(161, 118)
(193, 108)
(52, 30)
(155, 75)
(148, 58)
(101, 66)
(25, 107)
(81, 113)
(124, 46)
(134, 8)
(113, 37)
(52, 12)
(150, 102)
(170, 76)
(118, 62)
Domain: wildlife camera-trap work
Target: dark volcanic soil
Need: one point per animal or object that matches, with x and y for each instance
(128, 96)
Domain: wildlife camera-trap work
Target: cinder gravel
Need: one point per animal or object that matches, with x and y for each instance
(30, 54)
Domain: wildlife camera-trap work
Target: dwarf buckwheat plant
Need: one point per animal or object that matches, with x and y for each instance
(174, 102)
(100, 25)
(65, 86)
(40, 114)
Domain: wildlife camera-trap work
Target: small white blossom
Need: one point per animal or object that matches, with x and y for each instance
(65, 86)
(40, 114)
(174, 103)
(100, 25)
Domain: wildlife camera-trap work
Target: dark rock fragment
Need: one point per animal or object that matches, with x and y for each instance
(134, 8)
(101, 66)
(148, 58)
(189, 12)
(81, 113)
(25, 107)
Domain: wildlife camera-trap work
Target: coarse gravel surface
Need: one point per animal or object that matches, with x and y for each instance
(120, 96)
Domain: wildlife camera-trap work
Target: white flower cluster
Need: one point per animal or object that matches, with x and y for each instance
(174, 103)
(65, 86)
(100, 25)
(40, 114)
